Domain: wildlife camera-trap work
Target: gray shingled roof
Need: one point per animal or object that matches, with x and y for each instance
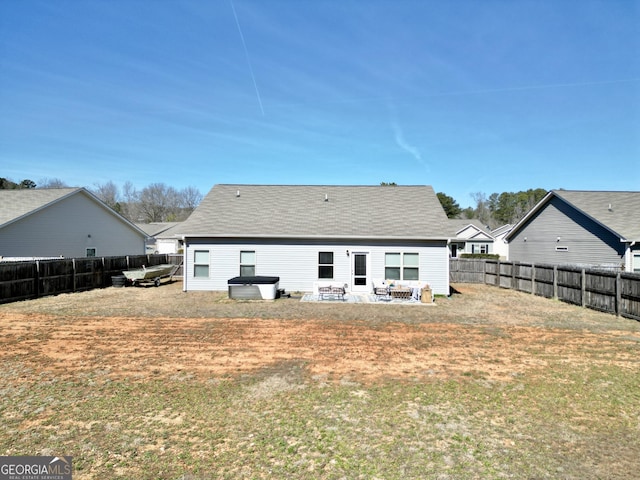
(623, 217)
(156, 229)
(17, 203)
(457, 224)
(301, 211)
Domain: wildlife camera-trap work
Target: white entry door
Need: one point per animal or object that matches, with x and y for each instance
(360, 272)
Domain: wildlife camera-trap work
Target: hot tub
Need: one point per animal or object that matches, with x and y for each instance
(253, 288)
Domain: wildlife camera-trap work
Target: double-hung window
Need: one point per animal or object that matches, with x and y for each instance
(325, 265)
(247, 263)
(401, 266)
(201, 263)
(479, 248)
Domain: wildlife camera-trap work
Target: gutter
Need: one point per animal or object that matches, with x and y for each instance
(311, 237)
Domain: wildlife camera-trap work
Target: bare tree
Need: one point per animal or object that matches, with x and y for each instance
(131, 198)
(51, 183)
(158, 203)
(109, 193)
(482, 208)
(190, 199)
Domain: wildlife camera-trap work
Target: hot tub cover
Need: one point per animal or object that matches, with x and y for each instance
(253, 280)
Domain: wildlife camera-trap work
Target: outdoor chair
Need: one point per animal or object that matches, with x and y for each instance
(334, 292)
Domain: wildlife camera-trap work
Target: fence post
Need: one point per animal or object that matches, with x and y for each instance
(498, 273)
(618, 294)
(533, 279)
(555, 282)
(37, 279)
(514, 280)
(73, 275)
(583, 287)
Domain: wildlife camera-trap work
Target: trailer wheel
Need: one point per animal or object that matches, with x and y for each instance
(157, 282)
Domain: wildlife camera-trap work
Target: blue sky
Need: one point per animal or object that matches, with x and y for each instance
(466, 96)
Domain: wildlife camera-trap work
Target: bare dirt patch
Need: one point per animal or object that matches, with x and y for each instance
(483, 332)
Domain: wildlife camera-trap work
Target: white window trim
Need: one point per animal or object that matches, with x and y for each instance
(332, 265)
(402, 265)
(208, 264)
(254, 264)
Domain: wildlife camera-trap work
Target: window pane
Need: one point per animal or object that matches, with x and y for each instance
(91, 252)
(410, 273)
(392, 259)
(325, 271)
(392, 273)
(325, 258)
(411, 260)
(247, 270)
(248, 258)
(201, 256)
(201, 271)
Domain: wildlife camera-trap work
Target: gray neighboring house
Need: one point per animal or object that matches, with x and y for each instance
(589, 228)
(306, 235)
(63, 222)
(161, 237)
(469, 236)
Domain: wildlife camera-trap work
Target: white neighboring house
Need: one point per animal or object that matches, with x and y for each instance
(63, 222)
(162, 238)
(306, 235)
(469, 236)
(500, 245)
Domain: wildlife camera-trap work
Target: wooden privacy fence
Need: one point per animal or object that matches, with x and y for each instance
(38, 278)
(604, 290)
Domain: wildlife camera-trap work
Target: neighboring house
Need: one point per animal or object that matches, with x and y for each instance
(161, 237)
(469, 236)
(63, 222)
(500, 245)
(590, 228)
(306, 235)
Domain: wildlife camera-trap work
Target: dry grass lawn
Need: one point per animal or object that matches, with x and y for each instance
(159, 383)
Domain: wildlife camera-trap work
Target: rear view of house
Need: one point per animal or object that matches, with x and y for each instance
(351, 236)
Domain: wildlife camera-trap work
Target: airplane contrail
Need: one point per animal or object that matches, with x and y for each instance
(460, 93)
(246, 53)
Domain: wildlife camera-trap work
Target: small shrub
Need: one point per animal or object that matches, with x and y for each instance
(488, 256)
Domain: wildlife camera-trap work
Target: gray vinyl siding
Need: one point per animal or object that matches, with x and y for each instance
(587, 242)
(67, 228)
(296, 262)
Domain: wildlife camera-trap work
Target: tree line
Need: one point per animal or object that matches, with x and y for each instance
(156, 202)
(497, 209)
(493, 211)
